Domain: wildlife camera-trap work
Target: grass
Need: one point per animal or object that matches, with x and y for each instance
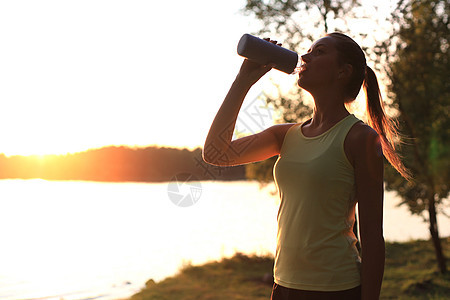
(410, 273)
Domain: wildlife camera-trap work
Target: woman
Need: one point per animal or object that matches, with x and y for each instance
(326, 165)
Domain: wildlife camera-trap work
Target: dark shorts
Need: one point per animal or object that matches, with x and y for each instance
(282, 293)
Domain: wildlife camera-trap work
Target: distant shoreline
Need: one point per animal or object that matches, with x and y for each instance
(118, 164)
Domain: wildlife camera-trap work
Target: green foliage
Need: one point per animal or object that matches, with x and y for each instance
(418, 68)
(419, 72)
(288, 17)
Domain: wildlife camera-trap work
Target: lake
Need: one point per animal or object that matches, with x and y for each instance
(85, 240)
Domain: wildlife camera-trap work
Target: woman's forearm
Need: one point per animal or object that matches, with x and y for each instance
(372, 269)
(221, 132)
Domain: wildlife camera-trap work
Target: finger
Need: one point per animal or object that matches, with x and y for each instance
(268, 67)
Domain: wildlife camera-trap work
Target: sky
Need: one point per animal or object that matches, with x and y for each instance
(76, 75)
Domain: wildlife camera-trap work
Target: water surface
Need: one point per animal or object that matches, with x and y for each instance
(79, 240)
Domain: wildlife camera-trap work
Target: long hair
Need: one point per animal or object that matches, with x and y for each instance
(350, 52)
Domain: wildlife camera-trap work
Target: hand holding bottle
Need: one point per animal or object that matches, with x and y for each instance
(251, 71)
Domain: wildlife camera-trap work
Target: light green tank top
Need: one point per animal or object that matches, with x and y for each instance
(316, 246)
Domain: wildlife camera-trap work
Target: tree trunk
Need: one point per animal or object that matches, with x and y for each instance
(435, 235)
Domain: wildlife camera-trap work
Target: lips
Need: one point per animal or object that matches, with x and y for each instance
(301, 69)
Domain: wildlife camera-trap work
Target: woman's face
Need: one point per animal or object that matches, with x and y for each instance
(319, 65)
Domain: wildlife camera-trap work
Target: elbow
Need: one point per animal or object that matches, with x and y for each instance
(210, 158)
(214, 156)
(216, 160)
(206, 155)
(207, 159)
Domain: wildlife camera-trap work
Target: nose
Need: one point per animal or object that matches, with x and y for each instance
(305, 57)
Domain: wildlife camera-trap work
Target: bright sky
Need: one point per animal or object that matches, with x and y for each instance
(84, 74)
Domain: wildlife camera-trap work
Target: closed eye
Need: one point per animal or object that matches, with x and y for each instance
(319, 50)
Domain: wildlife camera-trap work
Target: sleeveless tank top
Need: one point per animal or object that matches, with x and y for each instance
(316, 247)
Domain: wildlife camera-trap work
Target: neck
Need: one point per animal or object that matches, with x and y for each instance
(328, 109)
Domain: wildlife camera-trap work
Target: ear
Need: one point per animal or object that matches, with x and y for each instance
(345, 72)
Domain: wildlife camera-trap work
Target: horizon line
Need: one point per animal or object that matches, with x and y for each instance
(134, 147)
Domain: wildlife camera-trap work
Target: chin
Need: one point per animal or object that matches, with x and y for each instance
(301, 83)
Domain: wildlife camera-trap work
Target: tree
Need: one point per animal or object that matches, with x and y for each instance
(419, 71)
(287, 17)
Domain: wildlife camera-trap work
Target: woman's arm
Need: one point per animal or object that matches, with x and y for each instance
(219, 149)
(367, 157)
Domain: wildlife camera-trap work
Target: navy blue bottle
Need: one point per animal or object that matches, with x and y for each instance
(264, 52)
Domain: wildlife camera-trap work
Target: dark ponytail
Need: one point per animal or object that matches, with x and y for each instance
(385, 127)
(351, 53)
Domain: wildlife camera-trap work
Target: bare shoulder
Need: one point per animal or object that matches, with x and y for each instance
(362, 142)
(361, 131)
(362, 135)
(280, 130)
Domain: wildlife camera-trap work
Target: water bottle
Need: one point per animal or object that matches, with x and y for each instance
(264, 52)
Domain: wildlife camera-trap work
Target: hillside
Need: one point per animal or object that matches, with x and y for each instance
(150, 164)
